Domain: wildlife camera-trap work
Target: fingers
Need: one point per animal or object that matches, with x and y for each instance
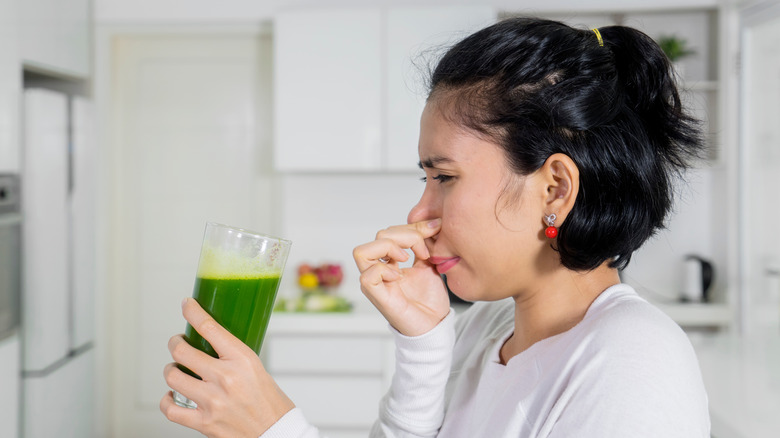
(189, 356)
(179, 415)
(369, 254)
(185, 384)
(392, 242)
(376, 275)
(428, 228)
(224, 343)
(413, 236)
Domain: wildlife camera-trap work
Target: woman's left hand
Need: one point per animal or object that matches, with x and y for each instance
(236, 398)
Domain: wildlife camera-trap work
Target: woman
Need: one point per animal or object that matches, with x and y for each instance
(549, 155)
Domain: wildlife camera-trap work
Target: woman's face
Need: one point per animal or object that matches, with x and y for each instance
(492, 229)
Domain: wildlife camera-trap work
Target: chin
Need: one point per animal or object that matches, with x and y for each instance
(471, 291)
(459, 292)
(457, 299)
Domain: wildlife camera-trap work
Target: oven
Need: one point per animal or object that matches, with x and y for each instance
(10, 255)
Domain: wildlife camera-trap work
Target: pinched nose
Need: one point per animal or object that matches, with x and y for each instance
(427, 208)
(416, 214)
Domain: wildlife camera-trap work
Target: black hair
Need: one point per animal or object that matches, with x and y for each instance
(539, 87)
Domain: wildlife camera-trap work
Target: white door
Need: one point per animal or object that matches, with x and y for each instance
(190, 145)
(760, 169)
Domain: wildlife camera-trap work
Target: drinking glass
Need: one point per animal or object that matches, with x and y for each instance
(236, 283)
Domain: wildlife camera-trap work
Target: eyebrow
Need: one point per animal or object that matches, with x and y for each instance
(433, 161)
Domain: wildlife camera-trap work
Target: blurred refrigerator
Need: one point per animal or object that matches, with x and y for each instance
(58, 247)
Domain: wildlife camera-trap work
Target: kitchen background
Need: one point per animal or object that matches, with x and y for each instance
(134, 123)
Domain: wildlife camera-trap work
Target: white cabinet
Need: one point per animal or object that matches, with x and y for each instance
(55, 35)
(416, 38)
(335, 367)
(10, 376)
(83, 217)
(67, 395)
(327, 83)
(45, 319)
(349, 83)
(49, 36)
(10, 86)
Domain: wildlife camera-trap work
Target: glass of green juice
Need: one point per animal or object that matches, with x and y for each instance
(236, 283)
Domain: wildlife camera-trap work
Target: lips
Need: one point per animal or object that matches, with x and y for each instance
(444, 264)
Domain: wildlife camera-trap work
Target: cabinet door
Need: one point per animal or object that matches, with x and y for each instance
(64, 398)
(54, 35)
(416, 38)
(337, 380)
(10, 381)
(327, 83)
(45, 230)
(10, 86)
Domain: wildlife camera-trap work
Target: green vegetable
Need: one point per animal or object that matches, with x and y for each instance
(674, 47)
(313, 302)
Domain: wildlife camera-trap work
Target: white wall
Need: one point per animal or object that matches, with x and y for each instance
(761, 181)
(326, 216)
(657, 270)
(156, 11)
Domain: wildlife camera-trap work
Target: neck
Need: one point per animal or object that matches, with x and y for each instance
(558, 304)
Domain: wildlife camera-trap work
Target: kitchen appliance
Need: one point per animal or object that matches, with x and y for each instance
(58, 258)
(10, 254)
(699, 275)
(10, 295)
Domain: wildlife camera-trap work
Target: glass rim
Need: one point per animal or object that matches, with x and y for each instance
(251, 232)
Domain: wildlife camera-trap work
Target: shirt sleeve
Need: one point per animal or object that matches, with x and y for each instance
(292, 425)
(414, 405)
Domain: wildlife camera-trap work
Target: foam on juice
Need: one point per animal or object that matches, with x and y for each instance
(217, 263)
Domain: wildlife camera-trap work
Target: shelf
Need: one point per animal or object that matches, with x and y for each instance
(698, 314)
(701, 86)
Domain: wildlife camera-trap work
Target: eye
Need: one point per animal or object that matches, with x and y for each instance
(440, 178)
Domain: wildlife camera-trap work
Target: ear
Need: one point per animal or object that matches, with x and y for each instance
(562, 181)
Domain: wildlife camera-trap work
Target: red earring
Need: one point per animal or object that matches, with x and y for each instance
(551, 231)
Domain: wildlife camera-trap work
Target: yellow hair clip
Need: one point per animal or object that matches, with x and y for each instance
(598, 35)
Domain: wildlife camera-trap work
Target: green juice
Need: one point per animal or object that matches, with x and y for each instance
(240, 304)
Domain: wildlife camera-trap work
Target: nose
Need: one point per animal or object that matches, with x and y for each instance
(427, 208)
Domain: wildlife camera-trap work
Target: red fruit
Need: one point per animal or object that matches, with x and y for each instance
(329, 275)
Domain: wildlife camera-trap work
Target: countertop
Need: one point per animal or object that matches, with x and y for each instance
(336, 323)
(742, 377)
(741, 373)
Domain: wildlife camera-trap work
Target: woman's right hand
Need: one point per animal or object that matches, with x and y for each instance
(236, 396)
(413, 300)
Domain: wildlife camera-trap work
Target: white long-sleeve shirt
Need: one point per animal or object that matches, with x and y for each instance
(626, 370)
